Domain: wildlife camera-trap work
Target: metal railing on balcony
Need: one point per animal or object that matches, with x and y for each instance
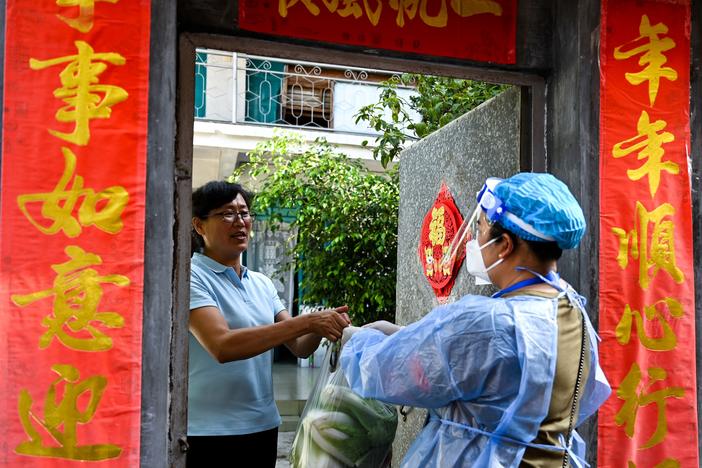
(247, 89)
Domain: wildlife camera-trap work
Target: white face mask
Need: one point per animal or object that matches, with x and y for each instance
(475, 263)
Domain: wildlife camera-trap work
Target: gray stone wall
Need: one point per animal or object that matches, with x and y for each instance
(483, 143)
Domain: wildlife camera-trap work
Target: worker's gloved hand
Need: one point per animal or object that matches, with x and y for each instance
(384, 326)
(348, 333)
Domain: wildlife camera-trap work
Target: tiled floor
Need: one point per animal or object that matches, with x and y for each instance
(291, 382)
(285, 440)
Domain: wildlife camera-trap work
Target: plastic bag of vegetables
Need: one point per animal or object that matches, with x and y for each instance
(339, 428)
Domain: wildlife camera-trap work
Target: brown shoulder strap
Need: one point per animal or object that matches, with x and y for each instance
(576, 391)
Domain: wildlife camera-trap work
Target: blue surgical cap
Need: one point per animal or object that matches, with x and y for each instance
(539, 207)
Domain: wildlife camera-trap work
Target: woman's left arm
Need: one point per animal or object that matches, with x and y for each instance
(305, 345)
(302, 346)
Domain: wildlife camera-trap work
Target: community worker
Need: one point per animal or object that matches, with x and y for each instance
(236, 319)
(506, 378)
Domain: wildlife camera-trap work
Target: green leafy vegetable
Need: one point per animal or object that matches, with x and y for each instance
(346, 430)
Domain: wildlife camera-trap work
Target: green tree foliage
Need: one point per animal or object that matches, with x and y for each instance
(439, 100)
(346, 222)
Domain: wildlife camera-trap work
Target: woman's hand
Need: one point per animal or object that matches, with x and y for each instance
(330, 323)
(384, 326)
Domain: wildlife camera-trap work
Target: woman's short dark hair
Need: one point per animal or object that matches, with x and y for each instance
(215, 194)
(210, 196)
(544, 251)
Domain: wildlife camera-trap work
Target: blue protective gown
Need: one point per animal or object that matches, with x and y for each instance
(484, 367)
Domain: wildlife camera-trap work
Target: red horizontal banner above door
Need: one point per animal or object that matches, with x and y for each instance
(480, 30)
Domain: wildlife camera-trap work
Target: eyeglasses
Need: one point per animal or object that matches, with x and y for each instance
(231, 216)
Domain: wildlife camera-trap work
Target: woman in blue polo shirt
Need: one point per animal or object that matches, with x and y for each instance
(236, 319)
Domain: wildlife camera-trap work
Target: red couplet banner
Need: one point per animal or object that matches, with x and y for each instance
(480, 30)
(71, 242)
(647, 309)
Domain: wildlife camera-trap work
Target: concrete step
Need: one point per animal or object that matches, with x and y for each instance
(290, 411)
(290, 407)
(289, 423)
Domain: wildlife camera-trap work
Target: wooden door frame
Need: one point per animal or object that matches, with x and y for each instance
(532, 152)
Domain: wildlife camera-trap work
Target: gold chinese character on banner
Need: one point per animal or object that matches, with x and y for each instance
(343, 8)
(350, 8)
(62, 414)
(103, 209)
(649, 144)
(651, 48)
(463, 8)
(410, 7)
(404, 8)
(77, 294)
(373, 15)
(86, 11)
(660, 254)
(438, 18)
(667, 339)
(437, 226)
(667, 463)
(466, 8)
(353, 8)
(85, 97)
(635, 399)
(285, 5)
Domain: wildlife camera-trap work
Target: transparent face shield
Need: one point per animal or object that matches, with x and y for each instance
(487, 203)
(466, 233)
